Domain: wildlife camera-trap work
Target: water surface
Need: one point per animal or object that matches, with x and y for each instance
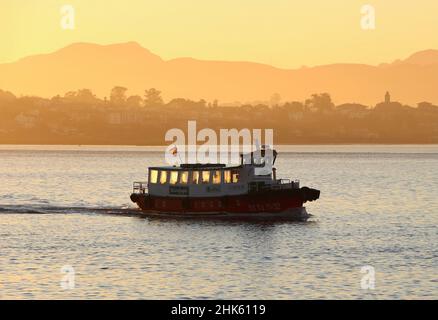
(69, 206)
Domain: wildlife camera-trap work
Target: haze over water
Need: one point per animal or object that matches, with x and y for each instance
(70, 206)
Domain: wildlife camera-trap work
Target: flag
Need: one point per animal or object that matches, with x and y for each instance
(173, 151)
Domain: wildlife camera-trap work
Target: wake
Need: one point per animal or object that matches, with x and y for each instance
(44, 209)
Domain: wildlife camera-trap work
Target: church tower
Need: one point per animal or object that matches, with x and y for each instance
(387, 97)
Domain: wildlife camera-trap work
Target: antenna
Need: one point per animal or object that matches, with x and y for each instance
(257, 144)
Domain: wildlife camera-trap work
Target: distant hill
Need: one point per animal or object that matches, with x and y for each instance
(100, 67)
(423, 58)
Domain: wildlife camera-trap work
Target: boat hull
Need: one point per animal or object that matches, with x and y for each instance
(294, 214)
(279, 204)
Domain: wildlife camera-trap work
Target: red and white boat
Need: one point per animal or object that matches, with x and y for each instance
(216, 190)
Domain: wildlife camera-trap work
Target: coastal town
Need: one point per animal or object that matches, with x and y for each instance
(80, 117)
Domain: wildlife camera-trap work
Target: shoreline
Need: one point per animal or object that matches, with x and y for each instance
(283, 148)
(276, 144)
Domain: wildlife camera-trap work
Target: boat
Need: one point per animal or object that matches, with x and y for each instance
(247, 190)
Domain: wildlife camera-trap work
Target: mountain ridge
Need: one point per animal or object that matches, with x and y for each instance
(100, 67)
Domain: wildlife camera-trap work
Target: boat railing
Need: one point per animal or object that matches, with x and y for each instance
(285, 184)
(280, 184)
(140, 187)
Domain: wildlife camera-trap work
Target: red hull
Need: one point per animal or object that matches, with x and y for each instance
(266, 202)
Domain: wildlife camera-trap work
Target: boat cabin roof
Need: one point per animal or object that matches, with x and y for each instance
(196, 166)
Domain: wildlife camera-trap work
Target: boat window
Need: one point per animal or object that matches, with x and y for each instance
(163, 177)
(227, 176)
(205, 177)
(216, 177)
(235, 176)
(195, 177)
(153, 176)
(184, 177)
(173, 177)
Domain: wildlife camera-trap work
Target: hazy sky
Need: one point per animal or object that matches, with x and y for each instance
(283, 33)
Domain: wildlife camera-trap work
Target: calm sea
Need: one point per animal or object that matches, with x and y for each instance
(68, 229)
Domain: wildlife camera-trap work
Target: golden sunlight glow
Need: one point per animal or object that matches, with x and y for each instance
(282, 33)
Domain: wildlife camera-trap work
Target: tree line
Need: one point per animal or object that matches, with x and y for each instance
(80, 117)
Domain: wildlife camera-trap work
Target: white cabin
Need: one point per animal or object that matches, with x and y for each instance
(213, 180)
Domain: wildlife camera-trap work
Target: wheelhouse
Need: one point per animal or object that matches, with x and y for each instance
(196, 179)
(192, 176)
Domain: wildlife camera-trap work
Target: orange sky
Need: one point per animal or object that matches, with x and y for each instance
(282, 33)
